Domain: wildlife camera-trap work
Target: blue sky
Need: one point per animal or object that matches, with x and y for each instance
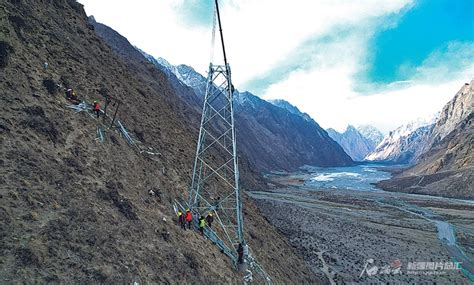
(428, 26)
(379, 62)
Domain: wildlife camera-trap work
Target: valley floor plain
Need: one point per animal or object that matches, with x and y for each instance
(338, 231)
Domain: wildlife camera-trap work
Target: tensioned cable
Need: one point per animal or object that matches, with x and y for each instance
(213, 39)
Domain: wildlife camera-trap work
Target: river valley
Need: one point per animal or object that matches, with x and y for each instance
(349, 232)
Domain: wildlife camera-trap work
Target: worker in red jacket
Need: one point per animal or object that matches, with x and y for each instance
(189, 217)
(97, 108)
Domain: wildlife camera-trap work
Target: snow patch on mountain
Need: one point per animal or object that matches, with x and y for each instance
(371, 133)
(404, 144)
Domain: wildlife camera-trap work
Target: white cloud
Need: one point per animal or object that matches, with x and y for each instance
(257, 33)
(327, 91)
(156, 27)
(261, 34)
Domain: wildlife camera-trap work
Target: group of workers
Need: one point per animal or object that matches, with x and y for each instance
(187, 219)
(72, 96)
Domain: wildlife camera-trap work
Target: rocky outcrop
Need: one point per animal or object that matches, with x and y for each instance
(353, 142)
(447, 165)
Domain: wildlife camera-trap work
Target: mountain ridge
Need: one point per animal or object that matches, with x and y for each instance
(404, 144)
(446, 166)
(257, 134)
(353, 142)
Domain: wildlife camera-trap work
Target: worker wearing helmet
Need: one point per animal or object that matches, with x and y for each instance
(209, 219)
(181, 220)
(202, 224)
(189, 217)
(96, 108)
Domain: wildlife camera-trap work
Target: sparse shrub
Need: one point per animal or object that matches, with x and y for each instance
(51, 86)
(34, 111)
(37, 121)
(123, 204)
(26, 256)
(5, 50)
(114, 140)
(17, 22)
(140, 135)
(66, 81)
(104, 91)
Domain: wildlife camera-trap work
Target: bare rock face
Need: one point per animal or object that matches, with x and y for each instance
(356, 145)
(454, 113)
(446, 166)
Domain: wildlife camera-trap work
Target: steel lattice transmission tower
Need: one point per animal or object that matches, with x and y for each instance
(215, 187)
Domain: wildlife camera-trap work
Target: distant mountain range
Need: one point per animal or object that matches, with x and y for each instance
(357, 142)
(445, 164)
(274, 135)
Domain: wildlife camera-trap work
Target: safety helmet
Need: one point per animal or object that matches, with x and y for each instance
(187, 210)
(210, 214)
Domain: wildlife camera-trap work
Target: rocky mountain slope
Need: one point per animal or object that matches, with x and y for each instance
(292, 109)
(272, 136)
(447, 165)
(75, 210)
(356, 145)
(405, 144)
(371, 133)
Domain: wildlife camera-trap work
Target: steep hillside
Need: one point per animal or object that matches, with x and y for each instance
(272, 137)
(77, 211)
(447, 166)
(353, 142)
(405, 144)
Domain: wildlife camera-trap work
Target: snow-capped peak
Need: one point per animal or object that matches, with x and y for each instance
(371, 133)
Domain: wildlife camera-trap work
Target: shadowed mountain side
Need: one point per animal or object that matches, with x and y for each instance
(278, 139)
